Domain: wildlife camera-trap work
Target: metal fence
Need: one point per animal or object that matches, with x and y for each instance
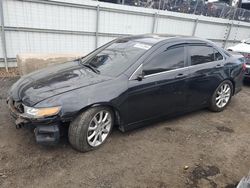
(76, 26)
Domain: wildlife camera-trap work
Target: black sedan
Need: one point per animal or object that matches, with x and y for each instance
(127, 82)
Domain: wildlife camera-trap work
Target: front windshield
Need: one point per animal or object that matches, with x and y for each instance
(116, 57)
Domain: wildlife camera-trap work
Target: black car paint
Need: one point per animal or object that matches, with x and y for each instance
(247, 75)
(76, 88)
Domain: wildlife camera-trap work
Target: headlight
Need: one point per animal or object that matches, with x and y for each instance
(41, 112)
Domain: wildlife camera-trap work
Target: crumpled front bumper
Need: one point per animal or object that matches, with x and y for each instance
(47, 134)
(47, 130)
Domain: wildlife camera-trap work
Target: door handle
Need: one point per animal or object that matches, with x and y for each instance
(181, 75)
(219, 66)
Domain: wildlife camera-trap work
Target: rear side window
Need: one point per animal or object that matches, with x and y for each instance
(170, 59)
(203, 54)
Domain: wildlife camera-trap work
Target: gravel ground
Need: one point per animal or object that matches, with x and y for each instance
(200, 149)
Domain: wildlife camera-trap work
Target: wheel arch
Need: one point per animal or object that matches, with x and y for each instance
(231, 80)
(117, 114)
(233, 83)
(228, 79)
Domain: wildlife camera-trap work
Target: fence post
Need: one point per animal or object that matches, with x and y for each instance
(159, 5)
(154, 22)
(228, 34)
(3, 36)
(97, 25)
(195, 26)
(229, 31)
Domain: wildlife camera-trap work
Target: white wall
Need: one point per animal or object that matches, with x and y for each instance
(64, 26)
(1, 50)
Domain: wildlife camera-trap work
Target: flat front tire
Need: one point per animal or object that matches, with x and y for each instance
(91, 128)
(221, 96)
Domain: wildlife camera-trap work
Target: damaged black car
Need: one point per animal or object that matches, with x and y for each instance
(127, 82)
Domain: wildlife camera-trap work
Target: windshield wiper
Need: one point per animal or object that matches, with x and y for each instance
(91, 67)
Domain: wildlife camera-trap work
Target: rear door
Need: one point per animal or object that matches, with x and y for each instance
(206, 73)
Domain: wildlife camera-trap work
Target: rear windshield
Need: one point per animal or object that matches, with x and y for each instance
(116, 57)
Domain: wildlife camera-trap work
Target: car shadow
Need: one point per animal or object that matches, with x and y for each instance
(164, 120)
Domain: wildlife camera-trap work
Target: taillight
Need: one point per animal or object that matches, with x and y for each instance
(244, 67)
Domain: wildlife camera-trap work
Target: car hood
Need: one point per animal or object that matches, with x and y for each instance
(51, 81)
(242, 47)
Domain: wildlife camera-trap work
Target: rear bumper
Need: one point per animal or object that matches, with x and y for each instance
(46, 130)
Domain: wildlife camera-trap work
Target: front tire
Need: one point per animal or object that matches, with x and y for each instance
(91, 128)
(221, 96)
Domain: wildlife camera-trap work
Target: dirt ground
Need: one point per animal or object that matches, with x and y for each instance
(215, 147)
(12, 72)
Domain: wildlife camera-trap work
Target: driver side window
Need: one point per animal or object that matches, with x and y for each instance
(170, 59)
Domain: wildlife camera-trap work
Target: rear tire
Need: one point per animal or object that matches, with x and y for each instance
(91, 129)
(221, 96)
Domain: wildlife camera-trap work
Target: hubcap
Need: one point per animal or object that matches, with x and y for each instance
(99, 128)
(223, 95)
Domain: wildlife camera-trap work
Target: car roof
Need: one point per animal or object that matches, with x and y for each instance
(153, 39)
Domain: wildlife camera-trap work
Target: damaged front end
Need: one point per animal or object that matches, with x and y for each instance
(46, 129)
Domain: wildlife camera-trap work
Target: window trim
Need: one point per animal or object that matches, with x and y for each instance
(187, 63)
(155, 74)
(163, 72)
(205, 63)
(184, 44)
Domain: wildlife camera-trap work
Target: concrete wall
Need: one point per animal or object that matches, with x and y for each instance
(76, 26)
(30, 62)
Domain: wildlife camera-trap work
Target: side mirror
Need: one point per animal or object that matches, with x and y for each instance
(138, 74)
(141, 76)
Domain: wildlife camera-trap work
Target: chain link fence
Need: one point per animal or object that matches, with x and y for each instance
(197, 7)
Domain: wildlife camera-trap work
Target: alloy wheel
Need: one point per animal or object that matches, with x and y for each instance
(223, 95)
(99, 128)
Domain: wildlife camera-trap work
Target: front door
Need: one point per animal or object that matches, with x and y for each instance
(163, 89)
